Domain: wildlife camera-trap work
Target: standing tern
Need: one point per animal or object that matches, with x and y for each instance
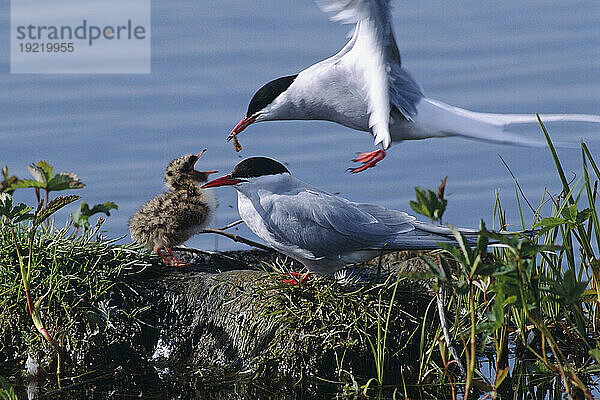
(323, 231)
(364, 87)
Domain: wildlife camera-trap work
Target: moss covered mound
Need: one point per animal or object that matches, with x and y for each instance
(228, 316)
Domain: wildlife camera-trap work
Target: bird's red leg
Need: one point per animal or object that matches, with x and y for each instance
(368, 159)
(296, 278)
(304, 279)
(365, 157)
(175, 262)
(164, 258)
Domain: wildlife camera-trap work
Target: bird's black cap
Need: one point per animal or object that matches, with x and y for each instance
(258, 166)
(266, 94)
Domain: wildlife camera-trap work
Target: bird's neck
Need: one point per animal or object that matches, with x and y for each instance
(190, 189)
(317, 94)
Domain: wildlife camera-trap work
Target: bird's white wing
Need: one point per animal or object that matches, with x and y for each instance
(374, 55)
(325, 224)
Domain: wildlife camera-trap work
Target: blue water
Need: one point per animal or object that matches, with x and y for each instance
(118, 132)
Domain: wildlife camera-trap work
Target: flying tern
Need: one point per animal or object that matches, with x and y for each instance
(365, 87)
(323, 231)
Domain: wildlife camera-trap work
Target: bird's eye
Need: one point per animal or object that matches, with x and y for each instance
(169, 173)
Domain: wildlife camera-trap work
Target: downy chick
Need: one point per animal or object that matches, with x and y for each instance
(171, 218)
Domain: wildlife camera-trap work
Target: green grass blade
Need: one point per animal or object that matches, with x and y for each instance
(591, 159)
(591, 198)
(519, 205)
(559, 168)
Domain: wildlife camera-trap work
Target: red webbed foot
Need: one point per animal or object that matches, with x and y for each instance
(296, 278)
(369, 160)
(172, 261)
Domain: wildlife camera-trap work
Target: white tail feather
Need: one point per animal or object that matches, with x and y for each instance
(443, 119)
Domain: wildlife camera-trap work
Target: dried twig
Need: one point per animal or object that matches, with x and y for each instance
(236, 238)
(231, 225)
(221, 231)
(204, 252)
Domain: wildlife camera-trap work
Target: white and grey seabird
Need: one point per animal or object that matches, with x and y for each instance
(364, 87)
(323, 231)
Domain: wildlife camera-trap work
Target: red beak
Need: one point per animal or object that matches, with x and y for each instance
(222, 181)
(243, 124)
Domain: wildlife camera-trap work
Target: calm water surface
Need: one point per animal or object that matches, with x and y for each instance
(118, 132)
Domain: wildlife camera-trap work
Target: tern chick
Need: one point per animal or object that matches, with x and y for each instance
(171, 218)
(323, 231)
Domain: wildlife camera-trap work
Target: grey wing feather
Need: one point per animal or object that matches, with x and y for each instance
(442, 230)
(324, 223)
(397, 221)
(428, 236)
(405, 92)
(406, 233)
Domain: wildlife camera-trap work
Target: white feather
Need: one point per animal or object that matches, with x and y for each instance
(436, 117)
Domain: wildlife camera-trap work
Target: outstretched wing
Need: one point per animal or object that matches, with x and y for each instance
(374, 54)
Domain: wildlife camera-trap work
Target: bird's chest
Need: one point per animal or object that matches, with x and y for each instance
(330, 96)
(194, 211)
(254, 219)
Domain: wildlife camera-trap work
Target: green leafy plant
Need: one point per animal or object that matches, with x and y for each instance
(518, 277)
(570, 218)
(6, 390)
(44, 178)
(429, 203)
(536, 295)
(23, 223)
(7, 182)
(471, 267)
(12, 215)
(378, 346)
(81, 217)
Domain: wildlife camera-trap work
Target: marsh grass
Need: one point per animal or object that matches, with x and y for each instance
(378, 318)
(17, 218)
(77, 277)
(7, 392)
(533, 301)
